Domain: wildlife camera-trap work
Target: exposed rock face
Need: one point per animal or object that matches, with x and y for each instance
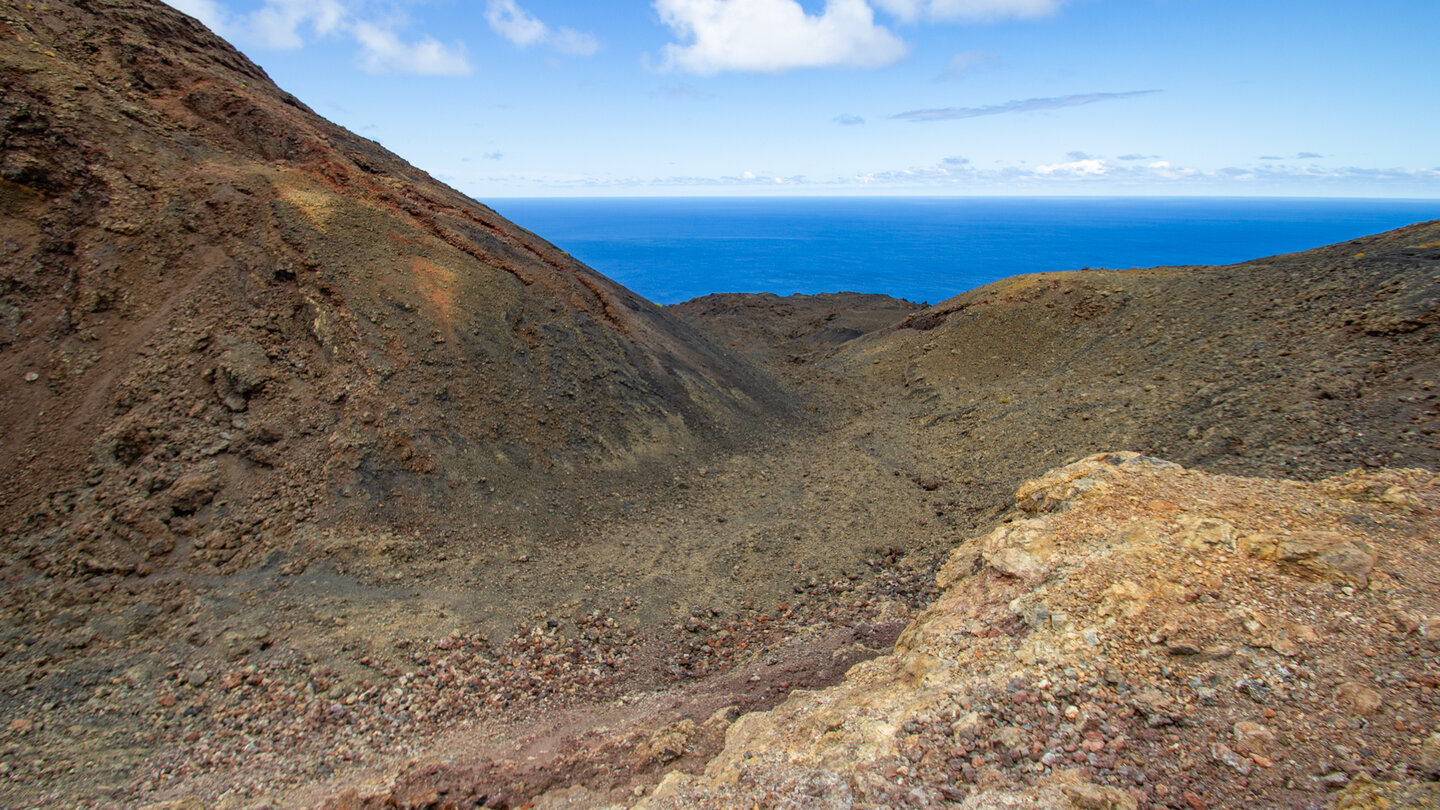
(1127, 666)
(200, 277)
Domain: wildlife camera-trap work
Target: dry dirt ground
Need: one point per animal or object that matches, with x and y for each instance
(320, 477)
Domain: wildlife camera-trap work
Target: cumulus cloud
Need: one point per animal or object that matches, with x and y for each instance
(848, 120)
(524, 29)
(969, 10)
(1308, 156)
(289, 24)
(772, 36)
(1017, 106)
(1078, 156)
(955, 161)
(515, 23)
(1137, 156)
(278, 23)
(384, 52)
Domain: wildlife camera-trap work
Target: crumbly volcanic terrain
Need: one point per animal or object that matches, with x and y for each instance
(322, 485)
(785, 331)
(1301, 365)
(224, 306)
(1137, 634)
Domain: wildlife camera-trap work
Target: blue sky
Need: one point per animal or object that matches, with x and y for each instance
(506, 98)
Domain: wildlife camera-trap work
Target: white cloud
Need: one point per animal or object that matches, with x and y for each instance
(277, 24)
(1081, 168)
(515, 23)
(287, 24)
(969, 10)
(774, 35)
(383, 52)
(957, 174)
(524, 29)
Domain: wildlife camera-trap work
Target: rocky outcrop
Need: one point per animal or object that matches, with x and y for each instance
(1131, 637)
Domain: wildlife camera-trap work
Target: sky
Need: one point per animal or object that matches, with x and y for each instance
(522, 98)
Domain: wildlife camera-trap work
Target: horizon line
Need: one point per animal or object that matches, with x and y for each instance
(836, 196)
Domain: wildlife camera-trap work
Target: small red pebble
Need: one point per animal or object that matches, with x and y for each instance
(1269, 714)
(1194, 801)
(166, 700)
(22, 725)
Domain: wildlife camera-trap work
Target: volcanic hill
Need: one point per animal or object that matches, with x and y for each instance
(229, 317)
(321, 484)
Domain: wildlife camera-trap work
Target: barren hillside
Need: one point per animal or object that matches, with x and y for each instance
(223, 316)
(323, 485)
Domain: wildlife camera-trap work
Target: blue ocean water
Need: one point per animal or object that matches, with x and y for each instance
(926, 248)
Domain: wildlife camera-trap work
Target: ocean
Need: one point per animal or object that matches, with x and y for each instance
(926, 249)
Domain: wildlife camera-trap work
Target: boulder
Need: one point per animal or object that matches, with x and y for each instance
(1327, 556)
(1358, 699)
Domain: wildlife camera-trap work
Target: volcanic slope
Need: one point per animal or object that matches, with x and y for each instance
(240, 345)
(294, 437)
(1290, 367)
(222, 316)
(1302, 365)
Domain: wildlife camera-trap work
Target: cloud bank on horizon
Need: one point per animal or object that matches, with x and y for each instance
(811, 96)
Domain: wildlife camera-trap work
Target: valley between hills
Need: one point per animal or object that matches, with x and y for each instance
(325, 486)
